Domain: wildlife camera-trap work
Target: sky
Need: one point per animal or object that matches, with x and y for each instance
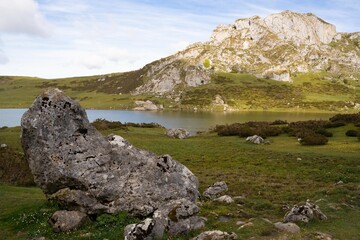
(64, 38)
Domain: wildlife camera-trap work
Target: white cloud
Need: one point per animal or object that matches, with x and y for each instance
(22, 16)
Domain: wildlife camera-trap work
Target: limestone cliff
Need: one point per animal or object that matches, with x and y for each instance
(273, 47)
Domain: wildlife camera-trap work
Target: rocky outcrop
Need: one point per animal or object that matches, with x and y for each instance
(272, 47)
(304, 213)
(215, 190)
(146, 106)
(65, 221)
(179, 133)
(84, 171)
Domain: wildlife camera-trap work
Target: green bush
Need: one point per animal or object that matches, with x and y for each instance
(324, 132)
(352, 133)
(262, 129)
(312, 138)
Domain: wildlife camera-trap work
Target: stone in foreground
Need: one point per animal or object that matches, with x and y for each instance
(84, 171)
(65, 221)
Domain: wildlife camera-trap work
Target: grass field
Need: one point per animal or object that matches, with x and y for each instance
(244, 92)
(266, 176)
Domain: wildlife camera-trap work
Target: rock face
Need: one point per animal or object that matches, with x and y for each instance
(82, 170)
(65, 221)
(271, 47)
(304, 213)
(177, 133)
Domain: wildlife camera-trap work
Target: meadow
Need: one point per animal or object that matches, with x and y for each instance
(264, 178)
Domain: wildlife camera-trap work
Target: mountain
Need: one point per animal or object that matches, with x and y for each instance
(274, 47)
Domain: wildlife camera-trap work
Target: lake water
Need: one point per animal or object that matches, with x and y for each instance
(192, 121)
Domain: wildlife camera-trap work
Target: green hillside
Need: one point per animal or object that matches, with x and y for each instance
(244, 92)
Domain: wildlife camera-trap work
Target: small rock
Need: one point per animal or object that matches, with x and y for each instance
(214, 190)
(304, 213)
(65, 221)
(224, 199)
(299, 159)
(240, 223)
(216, 235)
(287, 227)
(3, 145)
(140, 231)
(322, 236)
(339, 182)
(179, 133)
(255, 139)
(248, 224)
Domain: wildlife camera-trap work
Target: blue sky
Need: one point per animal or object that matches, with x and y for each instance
(62, 38)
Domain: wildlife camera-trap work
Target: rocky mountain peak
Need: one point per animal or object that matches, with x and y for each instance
(273, 47)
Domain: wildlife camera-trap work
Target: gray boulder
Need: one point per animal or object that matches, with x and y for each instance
(215, 190)
(177, 217)
(304, 213)
(3, 145)
(255, 139)
(287, 227)
(177, 133)
(224, 199)
(216, 235)
(82, 170)
(65, 221)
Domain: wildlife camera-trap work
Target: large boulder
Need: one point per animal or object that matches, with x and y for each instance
(83, 170)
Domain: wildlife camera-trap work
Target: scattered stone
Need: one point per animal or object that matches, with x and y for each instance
(255, 139)
(214, 190)
(339, 182)
(240, 223)
(224, 199)
(3, 145)
(216, 235)
(287, 227)
(177, 133)
(304, 213)
(38, 238)
(65, 221)
(248, 224)
(323, 236)
(82, 170)
(145, 106)
(299, 159)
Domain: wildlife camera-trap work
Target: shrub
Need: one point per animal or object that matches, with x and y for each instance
(248, 129)
(102, 124)
(324, 132)
(279, 122)
(312, 138)
(347, 118)
(334, 124)
(352, 133)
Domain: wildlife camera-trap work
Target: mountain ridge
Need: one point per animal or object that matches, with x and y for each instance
(273, 47)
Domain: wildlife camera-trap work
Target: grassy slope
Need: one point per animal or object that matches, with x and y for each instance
(309, 92)
(268, 176)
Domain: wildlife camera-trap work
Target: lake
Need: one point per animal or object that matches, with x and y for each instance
(192, 121)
